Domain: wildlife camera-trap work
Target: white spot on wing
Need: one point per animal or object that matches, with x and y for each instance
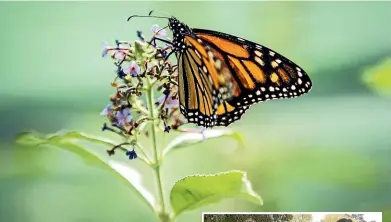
(204, 69)
(258, 53)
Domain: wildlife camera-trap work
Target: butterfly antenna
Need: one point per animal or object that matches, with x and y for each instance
(146, 16)
(162, 12)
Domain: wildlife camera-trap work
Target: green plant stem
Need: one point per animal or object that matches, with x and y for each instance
(151, 108)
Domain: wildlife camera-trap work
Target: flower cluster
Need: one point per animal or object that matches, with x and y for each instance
(142, 69)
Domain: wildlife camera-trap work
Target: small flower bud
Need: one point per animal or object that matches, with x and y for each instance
(110, 152)
(104, 127)
(140, 36)
(131, 154)
(120, 72)
(166, 91)
(113, 98)
(167, 129)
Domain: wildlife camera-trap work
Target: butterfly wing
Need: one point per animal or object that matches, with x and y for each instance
(257, 74)
(203, 82)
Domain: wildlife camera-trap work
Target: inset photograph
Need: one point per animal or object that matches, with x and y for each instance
(292, 217)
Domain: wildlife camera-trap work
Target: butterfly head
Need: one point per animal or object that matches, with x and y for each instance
(179, 31)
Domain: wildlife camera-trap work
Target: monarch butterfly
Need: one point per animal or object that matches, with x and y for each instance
(221, 75)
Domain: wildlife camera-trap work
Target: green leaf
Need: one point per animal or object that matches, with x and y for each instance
(74, 135)
(378, 77)
(188, 139)
(66, 141)
(29, 139)
(199, 190)
(142, 52)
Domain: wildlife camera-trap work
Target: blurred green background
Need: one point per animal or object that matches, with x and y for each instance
(327, 151)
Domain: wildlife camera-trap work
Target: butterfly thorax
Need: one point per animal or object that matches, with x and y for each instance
(179, 31)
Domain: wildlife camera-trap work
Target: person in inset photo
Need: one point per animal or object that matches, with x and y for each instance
(344, 220)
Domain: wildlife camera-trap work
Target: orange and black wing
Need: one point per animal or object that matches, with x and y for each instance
(203, 82)
(256, 72)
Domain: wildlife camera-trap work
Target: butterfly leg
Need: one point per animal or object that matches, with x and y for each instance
(159, 39)
(164, 54)
(153, 40)
(168, 55)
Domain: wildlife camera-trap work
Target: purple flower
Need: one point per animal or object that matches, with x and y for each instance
(155, 29)
(119, 55)
(133, 69)
(170, 103)
(123, 117)
(105, 49)
(106, 110)
(131, 154)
